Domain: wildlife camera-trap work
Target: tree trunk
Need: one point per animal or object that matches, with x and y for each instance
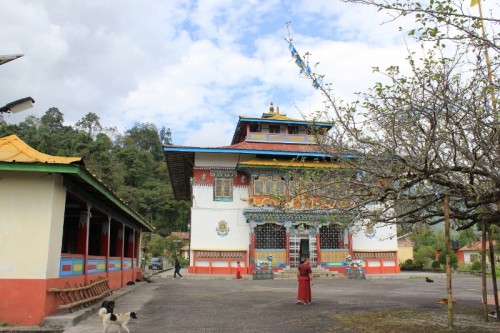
(483, 272)
(448, 264)
(493, 272)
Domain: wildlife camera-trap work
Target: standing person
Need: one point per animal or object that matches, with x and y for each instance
(177, 268)
(304, 276)
(238, 271)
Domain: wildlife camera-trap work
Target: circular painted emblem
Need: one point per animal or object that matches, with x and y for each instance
(370, 230)
(222, 228)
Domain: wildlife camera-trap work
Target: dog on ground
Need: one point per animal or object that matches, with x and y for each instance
(119, 319)
(445, 301)
(109, 306)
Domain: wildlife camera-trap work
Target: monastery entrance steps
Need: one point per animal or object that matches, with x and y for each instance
(318, 273)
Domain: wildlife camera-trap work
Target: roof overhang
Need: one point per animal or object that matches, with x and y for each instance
(169, 149)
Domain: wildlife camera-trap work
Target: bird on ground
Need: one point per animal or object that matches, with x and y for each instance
(428, 280)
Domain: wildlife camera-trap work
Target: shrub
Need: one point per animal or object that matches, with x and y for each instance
(410, 265)
(436, 264)
(453, 259)
(476, 266)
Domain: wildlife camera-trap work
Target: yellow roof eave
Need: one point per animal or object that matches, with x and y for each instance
(13, 149)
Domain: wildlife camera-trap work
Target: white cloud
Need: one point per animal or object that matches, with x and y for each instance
(193, 67)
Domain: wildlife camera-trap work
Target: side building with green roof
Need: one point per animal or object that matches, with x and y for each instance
(61, 226)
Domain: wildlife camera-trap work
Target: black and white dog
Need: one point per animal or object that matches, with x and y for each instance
(119, 319)
(109, 305)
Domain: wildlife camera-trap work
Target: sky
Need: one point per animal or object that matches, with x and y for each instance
(191, 66)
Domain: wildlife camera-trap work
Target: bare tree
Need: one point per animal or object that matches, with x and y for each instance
(419, 137)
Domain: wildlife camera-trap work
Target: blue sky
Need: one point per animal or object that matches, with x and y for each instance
(191, 66)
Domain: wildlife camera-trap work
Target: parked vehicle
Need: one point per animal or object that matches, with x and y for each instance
(156, 263)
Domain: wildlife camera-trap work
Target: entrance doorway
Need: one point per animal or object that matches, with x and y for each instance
(304, 249)
(302, 245)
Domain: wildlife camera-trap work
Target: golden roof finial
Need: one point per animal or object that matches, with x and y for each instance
(271, 108)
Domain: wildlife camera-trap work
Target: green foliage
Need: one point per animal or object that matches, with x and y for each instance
(453, 259)
(157, 245)
(410, 265)
(183, 262)
(476, 266)
(424, 254)
(435, 264)
(172, 248)
(467, 237)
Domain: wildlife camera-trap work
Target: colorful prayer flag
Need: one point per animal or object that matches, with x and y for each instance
(474, 2)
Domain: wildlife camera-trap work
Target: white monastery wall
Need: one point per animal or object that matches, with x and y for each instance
(379, 238)
(206, 215)
(204, 234)
(31, 222)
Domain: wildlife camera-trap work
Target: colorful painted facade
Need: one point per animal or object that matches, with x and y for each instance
(237, 216)
(59, 225)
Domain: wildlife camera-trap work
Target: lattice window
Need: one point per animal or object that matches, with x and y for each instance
(332, 237)
(270, 236)
(274, 129)
(223, 189)
(293, 129)
(269, 185)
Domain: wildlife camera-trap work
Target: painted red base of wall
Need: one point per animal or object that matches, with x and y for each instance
(22, 301)
(27, 302)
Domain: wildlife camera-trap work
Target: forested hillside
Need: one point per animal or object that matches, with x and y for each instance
(132, 163)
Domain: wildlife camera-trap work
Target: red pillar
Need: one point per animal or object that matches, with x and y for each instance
(318, 249)
(82, 244)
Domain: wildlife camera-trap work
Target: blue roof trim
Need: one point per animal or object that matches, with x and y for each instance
(248, 151)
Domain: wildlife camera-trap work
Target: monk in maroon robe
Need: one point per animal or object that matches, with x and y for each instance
(304, 275)
(238, 271)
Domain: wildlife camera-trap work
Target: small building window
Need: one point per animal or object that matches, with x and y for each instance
(293, 129)
(223, 189)
(274, 129)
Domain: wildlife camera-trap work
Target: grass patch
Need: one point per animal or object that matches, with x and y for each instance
(465, 320)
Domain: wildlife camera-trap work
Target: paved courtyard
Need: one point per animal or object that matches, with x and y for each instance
(216, 305)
